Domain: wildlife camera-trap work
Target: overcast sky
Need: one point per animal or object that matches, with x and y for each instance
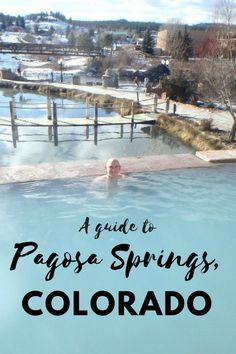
(189, 11)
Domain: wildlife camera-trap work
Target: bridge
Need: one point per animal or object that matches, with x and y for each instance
(48, 49)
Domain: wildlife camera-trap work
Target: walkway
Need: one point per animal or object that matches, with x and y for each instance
(221, 119)
(217, 156)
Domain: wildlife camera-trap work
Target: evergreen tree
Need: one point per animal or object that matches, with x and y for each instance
(36, 28)
(187, 45)
(177, 45)
(4, 25)
(68, 29)
(17, 21)
(71, 38)
(22, 22)
(85, 42)
(91, 32)
(148, 43)
(138, 30)
(179, 87)
(180, 45)
(51, 31)
(9, 21)
(58, 15)
(106, 40)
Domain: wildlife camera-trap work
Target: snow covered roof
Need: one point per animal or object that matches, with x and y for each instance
(47, 18)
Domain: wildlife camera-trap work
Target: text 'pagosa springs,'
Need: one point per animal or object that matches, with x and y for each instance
(125, 260)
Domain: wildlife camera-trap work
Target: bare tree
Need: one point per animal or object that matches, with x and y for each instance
(171, 30)
(205, 47)
(85, 42)
(178, 41)
(219, 72)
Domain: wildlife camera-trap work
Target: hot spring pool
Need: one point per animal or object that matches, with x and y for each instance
(193, 210)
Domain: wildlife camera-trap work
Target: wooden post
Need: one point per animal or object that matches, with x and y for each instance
(14, 107)
(132, 122)
(50, 133)
(87, 132)
(95, 123)
(132, 112)
(54, 122)
(167, 105)
(87, 108)
(13, 126)
(15, 117)
(174, 108)
(121, 130)
(49, 107)
(131, 132)
(155, 103)
(95, 113)
(95, 134)
(122, 109)
(49, 110)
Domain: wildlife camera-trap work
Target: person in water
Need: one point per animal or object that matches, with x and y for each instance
(113, 171)
(111, 178)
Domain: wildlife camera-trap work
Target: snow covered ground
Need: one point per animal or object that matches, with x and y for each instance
(33, 63)
(47, 23)
(34, 69)
(38, 74)
(81, 61)
(12, 37)
(9, 61)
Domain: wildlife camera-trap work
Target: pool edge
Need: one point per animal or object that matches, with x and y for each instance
(85, 168)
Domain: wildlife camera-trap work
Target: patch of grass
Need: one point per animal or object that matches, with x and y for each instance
(190, 133)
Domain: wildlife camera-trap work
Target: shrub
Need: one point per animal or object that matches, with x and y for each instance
(206, 124)
(179, 88)
(118, 61)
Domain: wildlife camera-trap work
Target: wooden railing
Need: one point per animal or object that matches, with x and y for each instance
(48, 49)
(52, 119)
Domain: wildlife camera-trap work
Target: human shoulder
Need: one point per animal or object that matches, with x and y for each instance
(100, 178)
(121, 176)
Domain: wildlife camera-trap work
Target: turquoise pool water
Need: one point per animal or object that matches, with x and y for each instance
(193, 210)
(75, 143)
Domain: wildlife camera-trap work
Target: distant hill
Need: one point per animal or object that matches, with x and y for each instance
(119, 24)
(201, 26)
(46, 15)
(122, 24)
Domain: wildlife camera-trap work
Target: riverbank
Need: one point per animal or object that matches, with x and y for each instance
(201, 137)
(104, 97)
